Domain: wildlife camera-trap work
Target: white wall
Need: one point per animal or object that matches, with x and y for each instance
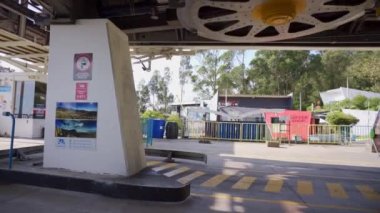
(25, 128)
(366, 118)
(86, 36)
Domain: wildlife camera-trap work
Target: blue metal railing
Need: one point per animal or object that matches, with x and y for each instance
(147, 131)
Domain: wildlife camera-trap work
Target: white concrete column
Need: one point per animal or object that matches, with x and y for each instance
(92, 122)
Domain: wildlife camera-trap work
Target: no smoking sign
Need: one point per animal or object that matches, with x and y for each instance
(83, 67)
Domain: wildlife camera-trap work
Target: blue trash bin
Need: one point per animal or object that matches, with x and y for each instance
(158, 128)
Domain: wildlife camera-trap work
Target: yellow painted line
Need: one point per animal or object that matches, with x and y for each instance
(165, 166)
(216, 180)
(244, 183)
(368, 192)
(190, 177)
(153, 163)
(305, 187)
(274, 185)
(336, 190)
(177, 171)
(288, 203)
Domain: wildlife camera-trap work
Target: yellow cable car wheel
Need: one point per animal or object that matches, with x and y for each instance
(267, 20)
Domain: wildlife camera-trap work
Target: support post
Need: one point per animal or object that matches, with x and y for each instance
(10, 155)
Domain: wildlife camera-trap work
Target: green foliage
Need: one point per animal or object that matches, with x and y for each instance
(152, 114)
(336, 106)
(374, 104)
(340, 118)
(175, 118)
(359, 102)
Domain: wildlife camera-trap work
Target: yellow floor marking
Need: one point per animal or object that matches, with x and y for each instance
(274, 185)
(289, 203)
(336, 190)
(165, 166)
(305, 187)
(177, 171)
(368, 192)
(190, 177)
(153, 163)
(216, 180)
(244, 183)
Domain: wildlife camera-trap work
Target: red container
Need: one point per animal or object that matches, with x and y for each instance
(289, 124)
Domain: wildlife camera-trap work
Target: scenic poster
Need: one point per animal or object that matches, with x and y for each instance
(76, 120)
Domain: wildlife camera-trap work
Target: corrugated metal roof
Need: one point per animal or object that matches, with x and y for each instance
(342, 93)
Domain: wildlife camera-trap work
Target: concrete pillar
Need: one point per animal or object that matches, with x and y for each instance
(92, 121)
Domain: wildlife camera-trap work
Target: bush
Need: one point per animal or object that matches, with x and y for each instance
(152, 114)
(175, 118)
(340, 118)
(359, 102)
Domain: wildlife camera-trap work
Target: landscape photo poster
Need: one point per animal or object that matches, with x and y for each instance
(76, 120)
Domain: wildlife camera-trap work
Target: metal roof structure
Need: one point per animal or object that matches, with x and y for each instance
(22, 53)
(209, 23)
(163, 28)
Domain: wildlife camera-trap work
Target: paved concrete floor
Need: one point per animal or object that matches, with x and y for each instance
(239, 177)
(357, 154)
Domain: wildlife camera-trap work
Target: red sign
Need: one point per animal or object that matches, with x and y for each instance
(81, 91)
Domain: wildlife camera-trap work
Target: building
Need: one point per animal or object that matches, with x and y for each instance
(251, 107)
(24, 95)
(343, 93)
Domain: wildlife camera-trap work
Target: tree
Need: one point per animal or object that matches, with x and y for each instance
(284, 72)
(212, 65)
(334, 69)
(153, 86)
(164, 97)
(238, 76)
(185, 71)
(156, 93)
(143, 96)
(275, 72)
(364, 72)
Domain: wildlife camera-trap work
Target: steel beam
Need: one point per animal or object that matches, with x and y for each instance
(22, 66)
(33, 55)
